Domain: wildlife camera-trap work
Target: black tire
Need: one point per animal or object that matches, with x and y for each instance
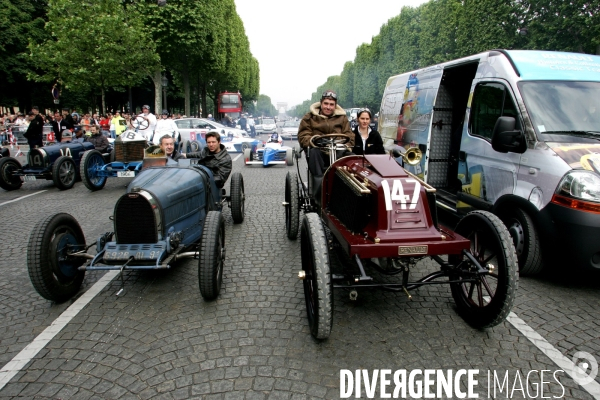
(195, 146)
(238, 198)
(55, 276)
(212, 255)
(318, 287)
(247, 155)
(184, 146)
(289, 157)
(246, 145)
(64, 173)
(526, 241)
(8, 166)
(292, 206)
(89, 167)
(494, 247)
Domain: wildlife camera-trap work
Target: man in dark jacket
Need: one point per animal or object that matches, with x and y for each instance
(35, 131)
(215, 157)
(167, 144)
(59, 125)
(324, 118)
(99, 141)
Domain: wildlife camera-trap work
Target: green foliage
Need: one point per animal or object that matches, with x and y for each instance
(265, 107)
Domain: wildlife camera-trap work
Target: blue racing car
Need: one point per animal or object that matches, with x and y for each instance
(271, 154)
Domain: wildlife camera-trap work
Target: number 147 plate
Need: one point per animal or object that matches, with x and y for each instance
(125, 174)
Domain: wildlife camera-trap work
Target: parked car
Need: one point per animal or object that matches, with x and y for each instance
(289, 130)
(192, 129)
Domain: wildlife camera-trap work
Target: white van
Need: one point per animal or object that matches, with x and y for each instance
(514, 132)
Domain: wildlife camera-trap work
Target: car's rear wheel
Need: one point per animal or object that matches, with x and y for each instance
(487, 298)
(90, 166)
(64, 173)
(318, 288)
(247, 155)
(212, 255)
(54, 274)
(246, 146)
(8, 166)
(238, 198)
(184, 146)
(289, 157)
(292, 205)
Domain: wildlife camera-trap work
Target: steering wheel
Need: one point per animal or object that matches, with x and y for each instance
(327, 140)
(141, 122)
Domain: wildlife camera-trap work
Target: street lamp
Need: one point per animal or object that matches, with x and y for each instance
(165, 83)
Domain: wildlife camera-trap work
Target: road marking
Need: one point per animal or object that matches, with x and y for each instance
(556, 356)
(22, 197)
(28, 353)
(238, 156)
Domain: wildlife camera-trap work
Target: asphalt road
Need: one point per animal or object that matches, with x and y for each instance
(160, 339)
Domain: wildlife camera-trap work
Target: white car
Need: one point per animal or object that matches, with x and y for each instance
(196, 128)
(289, 130)
(268, 125)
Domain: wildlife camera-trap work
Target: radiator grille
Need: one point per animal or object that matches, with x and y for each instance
(129, 151)
(134, 221)
(349, 207)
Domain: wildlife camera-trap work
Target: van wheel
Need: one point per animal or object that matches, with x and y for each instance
(526, 241)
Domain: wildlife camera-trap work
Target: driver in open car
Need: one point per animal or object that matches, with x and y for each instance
(324, 118)
(215, 157)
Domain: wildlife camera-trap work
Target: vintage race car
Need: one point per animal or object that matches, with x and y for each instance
(59, 162)
(379, 220)
(167, 213)
(126, 161)
(270, 154)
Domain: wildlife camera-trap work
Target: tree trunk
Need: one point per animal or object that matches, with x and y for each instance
(103, 100)
(186, 88)
(203, 98)
(157, 80)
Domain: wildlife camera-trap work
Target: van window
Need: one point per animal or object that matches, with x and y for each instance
(490, 101)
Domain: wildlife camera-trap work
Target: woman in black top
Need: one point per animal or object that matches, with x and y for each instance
(366, 140)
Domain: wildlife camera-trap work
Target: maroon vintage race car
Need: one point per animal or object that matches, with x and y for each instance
(382, 220)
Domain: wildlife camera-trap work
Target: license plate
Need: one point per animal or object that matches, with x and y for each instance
(125, 174)
(29, 178)
(404, 250)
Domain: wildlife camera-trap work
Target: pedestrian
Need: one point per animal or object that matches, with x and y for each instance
(105, 125)
(59, 125)
(119, 122)
(35, 131)
(252, 128)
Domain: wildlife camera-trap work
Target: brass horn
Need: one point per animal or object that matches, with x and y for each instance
(412, 156)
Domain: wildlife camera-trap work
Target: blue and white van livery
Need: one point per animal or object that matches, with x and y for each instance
(515, 132)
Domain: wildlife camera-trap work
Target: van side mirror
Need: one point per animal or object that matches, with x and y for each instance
(505, 138)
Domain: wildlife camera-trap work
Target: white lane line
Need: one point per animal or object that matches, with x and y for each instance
(559, 359)
(22, 197)
(28, 353)
(238, 156)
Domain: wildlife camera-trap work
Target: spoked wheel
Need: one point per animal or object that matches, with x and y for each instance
(53, 273)
(292, 209)
(289, 157)
(487, 299)
(238, 198)
(8, 166)
(526, 241)
(318, 288)
(212, 255)
(64, 173)
(90, 166)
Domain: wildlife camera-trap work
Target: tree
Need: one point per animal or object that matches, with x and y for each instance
(265, 107)
(109, 50)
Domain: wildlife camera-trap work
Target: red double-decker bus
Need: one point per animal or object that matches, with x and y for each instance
(230, 104)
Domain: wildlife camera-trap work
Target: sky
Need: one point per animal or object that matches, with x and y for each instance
(300, 43)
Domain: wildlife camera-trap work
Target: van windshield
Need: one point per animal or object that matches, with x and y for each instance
(563, 107)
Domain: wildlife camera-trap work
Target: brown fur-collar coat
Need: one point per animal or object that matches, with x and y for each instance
(313, 123)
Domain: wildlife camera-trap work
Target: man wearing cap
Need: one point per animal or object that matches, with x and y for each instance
(324, 118)
(151, 118)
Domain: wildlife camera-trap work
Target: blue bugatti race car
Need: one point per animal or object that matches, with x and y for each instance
(271, 154)
(59, 162)
(167, 213)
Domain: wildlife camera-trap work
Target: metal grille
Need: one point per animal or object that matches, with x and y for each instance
(134, 221)
(349, 207)
(129, 151)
